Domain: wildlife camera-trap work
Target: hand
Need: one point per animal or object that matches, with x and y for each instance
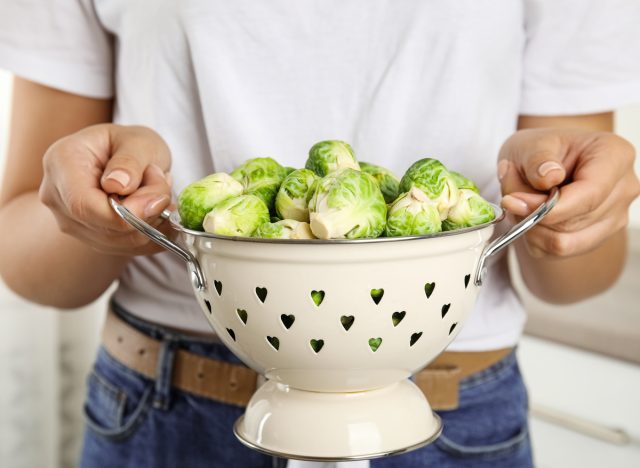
(82, 169)
(596, 173)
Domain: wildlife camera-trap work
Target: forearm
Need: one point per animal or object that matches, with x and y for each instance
(46, 266)
(563, 280)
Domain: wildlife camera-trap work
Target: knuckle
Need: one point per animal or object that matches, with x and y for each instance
(77, 207)
(559, 244)
(568, 225)
(126, 161)
(626, 148)
(45, 195)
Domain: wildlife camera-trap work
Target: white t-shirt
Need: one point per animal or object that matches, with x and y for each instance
(223, 81)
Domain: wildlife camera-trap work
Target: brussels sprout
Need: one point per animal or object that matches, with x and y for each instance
(470, 210)
(413, 213)
(347, 204)
(198, 198)
(293, 196)
(288, 170)
(285, 229)
(237, 216)
(430, 176)
(463, 183)
(387, 180)
(261, 177)
(327, 157)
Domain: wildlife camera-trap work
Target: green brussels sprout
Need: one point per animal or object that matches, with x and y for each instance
(261, 177)
(387, 180)
(413, 213)
(237, 216)
(470, 210)
(347, 204)
(463, 183)
(288, 170)
(285, 229)
(198, 198)
(292, 200)
(430, 176)
(327, 157)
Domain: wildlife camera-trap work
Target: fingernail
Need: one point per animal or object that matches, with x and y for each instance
(549, 166)
(168, 178)
(517, 206)
(119, 176)
(503, 167)
(152, 206)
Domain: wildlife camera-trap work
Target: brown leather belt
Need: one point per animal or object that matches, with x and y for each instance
(235, 384)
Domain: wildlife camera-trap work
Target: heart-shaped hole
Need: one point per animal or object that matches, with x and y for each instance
(274, 341)
(374, 343)
(243, 315)
(317, 296)
(231, 333)
(397, 317)
(428, 289)
(287, 320)
(261, 293)
(466, 280)
(376, 295)
(208, 304)
(445, 309)
(347, 321)
(453, 327)
(414, 337)
(218, 286)
(316, 345)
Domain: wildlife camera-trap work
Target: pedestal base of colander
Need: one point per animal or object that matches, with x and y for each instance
(319, 426)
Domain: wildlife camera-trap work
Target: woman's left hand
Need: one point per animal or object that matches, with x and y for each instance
(595, 171)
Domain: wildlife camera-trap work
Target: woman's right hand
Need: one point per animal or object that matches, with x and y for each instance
(81, 170)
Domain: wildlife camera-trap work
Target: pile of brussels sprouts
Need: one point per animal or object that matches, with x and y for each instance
(333, 197)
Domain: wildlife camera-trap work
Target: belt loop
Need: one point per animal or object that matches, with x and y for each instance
(164, 374)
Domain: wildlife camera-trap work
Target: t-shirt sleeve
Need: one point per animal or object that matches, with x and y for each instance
(58, 43)
(581, 56)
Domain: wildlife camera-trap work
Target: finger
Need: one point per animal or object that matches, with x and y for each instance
(537, 160)
(542, 240)
(133, 149)
(153, 196)
(128, 243)
(578, 205)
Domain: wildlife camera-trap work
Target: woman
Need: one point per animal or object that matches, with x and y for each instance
(141, 98)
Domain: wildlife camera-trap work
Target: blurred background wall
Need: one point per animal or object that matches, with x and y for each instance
(45, 355)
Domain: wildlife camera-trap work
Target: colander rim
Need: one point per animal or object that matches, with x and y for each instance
(174, 220)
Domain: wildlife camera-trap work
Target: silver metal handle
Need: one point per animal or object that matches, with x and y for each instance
(516, 231)
(197, 276)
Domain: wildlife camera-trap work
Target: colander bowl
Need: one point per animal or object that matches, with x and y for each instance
(337, 328)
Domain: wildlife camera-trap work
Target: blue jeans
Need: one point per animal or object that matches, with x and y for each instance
(489, 429)
(134, 421)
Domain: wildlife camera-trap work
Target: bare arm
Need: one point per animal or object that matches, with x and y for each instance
(577, 254)
(37, 259)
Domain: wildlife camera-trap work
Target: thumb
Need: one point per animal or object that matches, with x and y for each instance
(536, 158)
(133, 149)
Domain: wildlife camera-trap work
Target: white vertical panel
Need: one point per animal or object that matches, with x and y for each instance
(628, 126)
